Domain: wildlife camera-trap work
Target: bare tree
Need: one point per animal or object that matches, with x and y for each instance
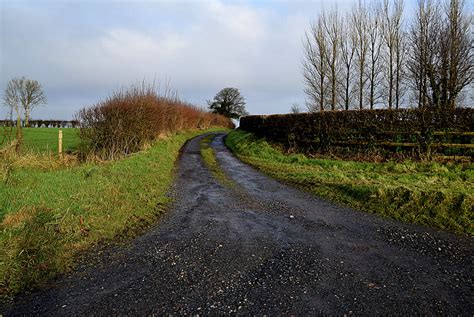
(375, 47)
(12, 100)
(458, 54)
(359, 22)
(314, 66)
(418, 56)
(332, 27)
(348, 48)
(393, 40)
(400, 52)
(31, 95)
(23, 94)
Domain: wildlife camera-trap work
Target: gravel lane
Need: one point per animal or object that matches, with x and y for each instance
(261, 247)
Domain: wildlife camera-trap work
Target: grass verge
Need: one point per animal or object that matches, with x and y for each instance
(50, 212)
(434, 194)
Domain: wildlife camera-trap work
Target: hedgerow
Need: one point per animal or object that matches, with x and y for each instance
(412, 131)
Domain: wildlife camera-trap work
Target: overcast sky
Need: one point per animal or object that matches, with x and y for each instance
(81, 50)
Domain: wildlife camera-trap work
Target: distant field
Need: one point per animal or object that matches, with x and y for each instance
(46, 139)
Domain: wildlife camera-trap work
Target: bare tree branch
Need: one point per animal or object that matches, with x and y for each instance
(359, 22)
(314, 66)
(348, 49)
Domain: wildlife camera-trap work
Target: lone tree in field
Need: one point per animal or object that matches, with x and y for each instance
(32, 95)
(23, 94)
(229, 103)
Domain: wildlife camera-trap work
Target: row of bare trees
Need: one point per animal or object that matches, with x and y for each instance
(372, 58)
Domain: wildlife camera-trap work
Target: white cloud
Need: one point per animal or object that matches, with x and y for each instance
(82, 50)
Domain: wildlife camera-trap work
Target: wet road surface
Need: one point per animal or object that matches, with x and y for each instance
(260, 247)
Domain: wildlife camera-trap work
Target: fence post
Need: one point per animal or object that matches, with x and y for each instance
(60, 142)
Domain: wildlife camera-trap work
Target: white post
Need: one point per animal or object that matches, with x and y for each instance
(60, 142)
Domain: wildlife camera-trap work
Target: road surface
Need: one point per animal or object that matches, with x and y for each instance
(256, 246)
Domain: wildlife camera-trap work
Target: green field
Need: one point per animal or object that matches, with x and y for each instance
(439, 195)
(45, 140)
(49, 212)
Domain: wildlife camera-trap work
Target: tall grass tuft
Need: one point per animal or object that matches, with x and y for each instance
(35, 241)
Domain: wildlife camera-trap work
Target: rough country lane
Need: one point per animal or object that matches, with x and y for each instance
(251, 245)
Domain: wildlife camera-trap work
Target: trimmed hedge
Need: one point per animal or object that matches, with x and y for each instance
(405, 130)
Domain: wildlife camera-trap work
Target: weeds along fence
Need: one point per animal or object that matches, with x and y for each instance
(130, 119)
(410, 132)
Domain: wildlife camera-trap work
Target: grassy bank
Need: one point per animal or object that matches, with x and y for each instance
(439, 195)
(49, 212)
(45, 140)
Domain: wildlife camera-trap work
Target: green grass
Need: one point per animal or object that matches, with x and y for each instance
(45, 140)
(209, 158)
(48, 214)
(438, 195)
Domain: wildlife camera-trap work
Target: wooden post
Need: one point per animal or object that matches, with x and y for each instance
(60, 143)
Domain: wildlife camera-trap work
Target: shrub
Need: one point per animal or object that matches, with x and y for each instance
(130, 119)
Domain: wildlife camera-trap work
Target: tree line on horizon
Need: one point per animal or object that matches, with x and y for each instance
(373, 58)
